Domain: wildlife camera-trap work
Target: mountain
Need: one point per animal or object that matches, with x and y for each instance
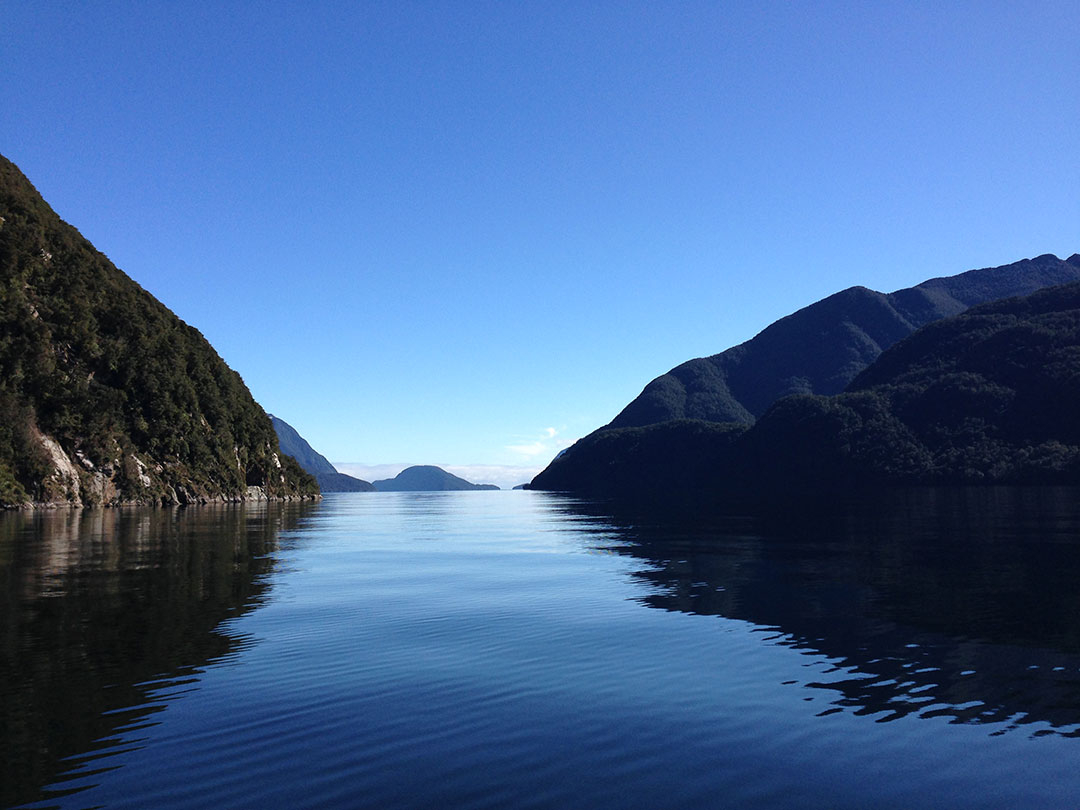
(821, 348)
(340, 482)
(296, 446)
(330, 480)
(425, 478)
(988, 396)
(106, 396)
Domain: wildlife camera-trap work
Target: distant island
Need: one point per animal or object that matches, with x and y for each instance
(987, 396)
(330, 480)
(426, 478)
(106, 397)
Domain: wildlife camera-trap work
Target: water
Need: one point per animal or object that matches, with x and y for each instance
(530, 650)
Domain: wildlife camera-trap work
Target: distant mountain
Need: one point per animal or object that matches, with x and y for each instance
(989, 396)
(296, 446)
(821, 348)
(330, 480)
(340, 482)
(106, 396)
(424, 478)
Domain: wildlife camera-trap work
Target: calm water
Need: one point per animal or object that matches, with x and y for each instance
(517, 649)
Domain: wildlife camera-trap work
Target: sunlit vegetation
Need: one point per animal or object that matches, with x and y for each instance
(127, 389)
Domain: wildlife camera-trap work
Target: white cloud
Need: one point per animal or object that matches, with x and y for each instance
(548, 444)
(369, 472)
(504, 476)
(533, 453)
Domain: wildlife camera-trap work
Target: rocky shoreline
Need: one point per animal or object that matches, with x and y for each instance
(251, 495)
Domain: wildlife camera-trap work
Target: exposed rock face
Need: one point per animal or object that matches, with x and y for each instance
(77, 482)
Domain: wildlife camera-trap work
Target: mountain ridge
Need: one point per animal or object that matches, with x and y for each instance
(986, 396)
(820, 348)
(313, 462)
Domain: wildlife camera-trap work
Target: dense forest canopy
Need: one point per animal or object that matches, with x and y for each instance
(988, 396)
(105, 395)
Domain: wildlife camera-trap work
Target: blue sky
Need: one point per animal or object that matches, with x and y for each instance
(468, 233)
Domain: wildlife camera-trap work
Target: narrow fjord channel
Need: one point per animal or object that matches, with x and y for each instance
(521, 649)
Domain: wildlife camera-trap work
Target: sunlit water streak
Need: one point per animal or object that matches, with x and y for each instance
(503, 649)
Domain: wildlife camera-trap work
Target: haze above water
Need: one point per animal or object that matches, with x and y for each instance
(525, 649)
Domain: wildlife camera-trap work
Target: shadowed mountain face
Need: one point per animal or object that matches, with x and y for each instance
(821, 348)
(330, 480)
(988, 396)
(105, 395)
(340, 482)
(426, 478)
(296, 446)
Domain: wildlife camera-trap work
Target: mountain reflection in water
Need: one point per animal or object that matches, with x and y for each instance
(106, 615)
(958, 603)
(487, 649)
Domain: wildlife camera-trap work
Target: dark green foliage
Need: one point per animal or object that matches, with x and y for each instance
(990, 396)
(653, 459)
(821, 348)
(92, 360)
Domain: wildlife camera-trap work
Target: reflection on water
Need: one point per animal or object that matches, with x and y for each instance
(106, 614)
(487, 649)
(957, 603)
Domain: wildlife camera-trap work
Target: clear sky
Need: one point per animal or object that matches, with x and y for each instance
(467, 233)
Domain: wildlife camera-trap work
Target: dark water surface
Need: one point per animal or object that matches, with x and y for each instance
(518, 649)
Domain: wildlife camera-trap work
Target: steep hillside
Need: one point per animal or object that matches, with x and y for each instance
(330, 480)
(295, 445)
(105, 395)
(680, 454)
(820, 349)
(426, 478)
(989, 396)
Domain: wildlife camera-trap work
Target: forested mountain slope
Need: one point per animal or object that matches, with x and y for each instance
(988, 396)
(105, 395)
(820, 348)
